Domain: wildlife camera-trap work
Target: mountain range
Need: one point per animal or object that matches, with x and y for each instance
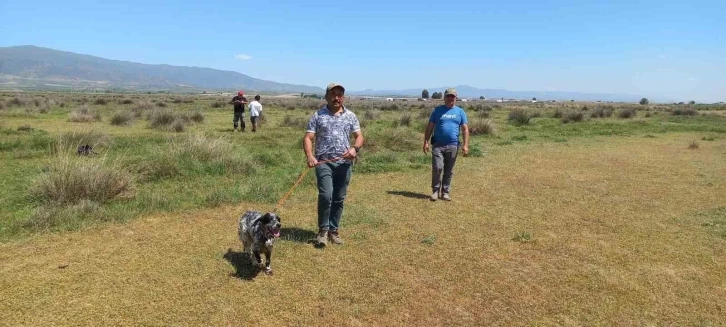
(36, 67)
(32, 67)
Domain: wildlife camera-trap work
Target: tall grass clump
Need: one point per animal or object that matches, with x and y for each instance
(479, 126)
(519, 117)
(684, 112)
(627, 113)
(84, 114)
(121, 118)
(100, 101)
(296, 122)
(601, 112)
(573, 116)
(405, 120)
(68, 179)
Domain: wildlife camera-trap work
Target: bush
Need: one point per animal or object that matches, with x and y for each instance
(162, 118)
(84, 114)
(178, 125)
(126, 101)
(70, 180)
(601, 112)
(296, 122)
(685, 112)
(121, 118)
(101, 101)
(627, 113)
(218, 104)
(405, 120)
(482, 127)
(198, 117)
(573, 116)
(141, 107)
(482, 114)
(371, 114)
(557, 113)
(519, 117)
(18, 101)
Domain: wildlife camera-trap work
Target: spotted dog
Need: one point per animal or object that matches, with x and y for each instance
(258, 233)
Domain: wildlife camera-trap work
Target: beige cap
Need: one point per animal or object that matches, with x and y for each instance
(334, 85)
(450, 91)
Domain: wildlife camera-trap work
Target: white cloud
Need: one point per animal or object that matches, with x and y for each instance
(243, 57)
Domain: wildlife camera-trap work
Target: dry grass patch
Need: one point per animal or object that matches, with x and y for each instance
(608, 225)
(84, 114)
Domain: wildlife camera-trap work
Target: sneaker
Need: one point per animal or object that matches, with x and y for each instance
(335, 238)
(434, 196)
(446, 197)
(322, 238)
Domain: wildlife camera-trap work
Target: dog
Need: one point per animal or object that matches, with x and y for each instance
(84, 150)
(258, 233)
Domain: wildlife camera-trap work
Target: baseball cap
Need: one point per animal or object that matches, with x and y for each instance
(240, 93)
(450, 91)
(334, 85)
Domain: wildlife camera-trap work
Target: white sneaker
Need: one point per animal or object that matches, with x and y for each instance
(435, 196)
(446, 197)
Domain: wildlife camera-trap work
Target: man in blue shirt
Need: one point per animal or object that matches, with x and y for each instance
(446, 123)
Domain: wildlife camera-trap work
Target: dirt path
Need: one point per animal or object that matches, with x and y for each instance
(619, 231)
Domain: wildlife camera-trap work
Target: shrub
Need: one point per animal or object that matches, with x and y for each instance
(141, 107)
(178, 125)
(685, 112)
(482, 127)
(121, 118)
(198, 117)
(162, 118)
(482, 114)
(371, 114)
(126, 101)
(218, 104)
(405, 120)
(557, 113)
(601, 112)
(627, 113)
(296, 122)
(519, 117)
(101, 101)
(573, 116)
(84, 114)
(68, 180)
(17, 101)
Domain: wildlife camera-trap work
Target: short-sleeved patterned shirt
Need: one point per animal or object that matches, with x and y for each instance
(332, 133)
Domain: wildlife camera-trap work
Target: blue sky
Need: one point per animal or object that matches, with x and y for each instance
(660, 49)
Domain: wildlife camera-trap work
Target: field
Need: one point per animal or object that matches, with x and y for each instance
(564, 214)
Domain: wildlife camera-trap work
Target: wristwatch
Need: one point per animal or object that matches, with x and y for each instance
(357, 149)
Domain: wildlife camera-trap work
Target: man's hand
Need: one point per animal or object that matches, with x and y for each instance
(426, 147)
(312, 162)
(350, 154)
(465, 149)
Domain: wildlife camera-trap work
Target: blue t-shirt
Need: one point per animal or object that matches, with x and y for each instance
(446, 125)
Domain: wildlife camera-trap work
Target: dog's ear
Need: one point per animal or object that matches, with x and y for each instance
(266, 218)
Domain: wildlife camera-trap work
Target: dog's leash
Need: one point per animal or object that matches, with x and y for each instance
(299, 179)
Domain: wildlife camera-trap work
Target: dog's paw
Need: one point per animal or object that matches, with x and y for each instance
(268, 272)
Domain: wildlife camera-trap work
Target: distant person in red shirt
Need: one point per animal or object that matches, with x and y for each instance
(239, 102)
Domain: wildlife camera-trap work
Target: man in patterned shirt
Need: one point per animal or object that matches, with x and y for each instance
(330, 128)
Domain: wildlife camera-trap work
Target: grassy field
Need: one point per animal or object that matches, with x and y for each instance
(564, 214)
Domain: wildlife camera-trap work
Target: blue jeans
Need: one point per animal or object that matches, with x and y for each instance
(333, 179)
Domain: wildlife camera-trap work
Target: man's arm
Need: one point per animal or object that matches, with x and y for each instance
(465, 131)
(427, 136)
(308, 149)
(358, 143)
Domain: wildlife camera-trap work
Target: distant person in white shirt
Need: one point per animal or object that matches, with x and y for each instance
(255, 112)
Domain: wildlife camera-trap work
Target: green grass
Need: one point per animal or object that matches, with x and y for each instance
(188, 141)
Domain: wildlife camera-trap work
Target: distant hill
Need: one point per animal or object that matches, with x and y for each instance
(471, 92)
(36, 67)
